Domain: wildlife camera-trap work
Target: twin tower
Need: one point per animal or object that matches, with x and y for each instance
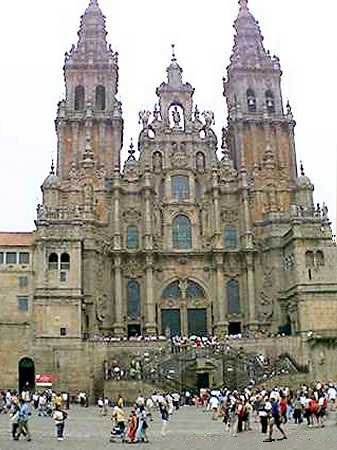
(179, 241)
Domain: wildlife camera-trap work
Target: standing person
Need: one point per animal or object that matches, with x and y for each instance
(284, 409)
(141, 435)
(119, 416)
(214, 406)
(298, 408)
(164, 417)
(132, 428)
(59, 417)
(14, 418)
(23, 418)
(264, 414)
(275, 420)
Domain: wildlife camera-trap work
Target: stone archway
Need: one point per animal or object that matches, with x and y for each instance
(26, 369)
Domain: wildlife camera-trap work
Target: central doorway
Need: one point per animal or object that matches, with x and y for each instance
(197, 322)
(26, 374)
(134, 330)
(170, 322)
(203, 381)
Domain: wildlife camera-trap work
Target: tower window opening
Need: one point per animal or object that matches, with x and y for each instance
(79, 98)
(53, 262)
(100, 98)
(320, 258)
(65, 261)
(251, 100)
(270, 101)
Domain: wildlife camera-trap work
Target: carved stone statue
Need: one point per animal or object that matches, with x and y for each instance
(157, 162)
(144, 118)
(101, 308)
(200, 162)
(325, 212)
(209, 119)
(176, 117)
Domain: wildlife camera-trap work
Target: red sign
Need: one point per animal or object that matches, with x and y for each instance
(44, 379)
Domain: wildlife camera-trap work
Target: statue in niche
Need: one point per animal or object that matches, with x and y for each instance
(200, 162)
(157, 162)
(102, 308)
(176, 117)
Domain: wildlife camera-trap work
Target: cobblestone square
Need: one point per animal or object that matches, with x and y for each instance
(189, 429)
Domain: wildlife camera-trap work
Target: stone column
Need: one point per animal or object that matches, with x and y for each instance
(252, 323)
(216, 209)
(119, 326)
(116, 210)
(221, 297)
(147, 221)
(150, 307)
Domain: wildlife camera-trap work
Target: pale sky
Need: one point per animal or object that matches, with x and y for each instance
(35, 34)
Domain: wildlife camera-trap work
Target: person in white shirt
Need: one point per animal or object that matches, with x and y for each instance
(214, 407)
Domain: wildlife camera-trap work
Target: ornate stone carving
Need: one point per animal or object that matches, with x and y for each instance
(133, 268)
(132, 215)
(266, 298)
(230, 216)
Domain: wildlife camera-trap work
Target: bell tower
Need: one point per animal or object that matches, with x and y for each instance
(90, 112)
(258, 126)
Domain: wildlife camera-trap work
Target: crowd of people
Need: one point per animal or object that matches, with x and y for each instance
(266, 410)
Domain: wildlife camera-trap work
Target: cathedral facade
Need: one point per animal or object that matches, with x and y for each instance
(176, 240)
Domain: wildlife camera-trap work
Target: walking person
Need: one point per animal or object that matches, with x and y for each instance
(141, 435)
(59, 417)
(275, 420)
(164, 417)
(23, 418)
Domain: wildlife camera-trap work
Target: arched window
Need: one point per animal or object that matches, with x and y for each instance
(100, 98)
(172, 290)
(309, 259)
(133, 289)
(53, 262)
(79, 98)
(180, 187)
(132, 237)
(182, 233)
(65, 261)
(231, 237)
(270, 102)
(194, 290)
(233, 297)
(251, 100)
(320, 258)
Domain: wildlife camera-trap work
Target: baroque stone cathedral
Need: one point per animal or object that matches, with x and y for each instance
(174, 240)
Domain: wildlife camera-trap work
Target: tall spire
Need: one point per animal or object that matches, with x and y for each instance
(248, 48)
(92, 43)
(174, 71)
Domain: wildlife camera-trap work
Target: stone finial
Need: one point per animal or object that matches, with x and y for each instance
(52, 168)
(131, 151)
(174, 59)
(243, 4)
(302, 169)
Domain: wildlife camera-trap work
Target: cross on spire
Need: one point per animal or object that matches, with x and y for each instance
(243, 4)
(174, 59)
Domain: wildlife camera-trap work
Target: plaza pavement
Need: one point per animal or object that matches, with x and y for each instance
(189, 429)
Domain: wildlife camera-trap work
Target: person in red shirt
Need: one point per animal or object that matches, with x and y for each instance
(284, 409)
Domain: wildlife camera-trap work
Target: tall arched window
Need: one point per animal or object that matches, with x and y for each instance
(182, 233)
(132, 237)
(133, 294)
(65, 261)
(53, 262)
(251, 100)
(79, 98)
(233, 297)
(270, 102)
(100, 98)
(231, 237)
(320, 258)
(180, 187)
(309, 259)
